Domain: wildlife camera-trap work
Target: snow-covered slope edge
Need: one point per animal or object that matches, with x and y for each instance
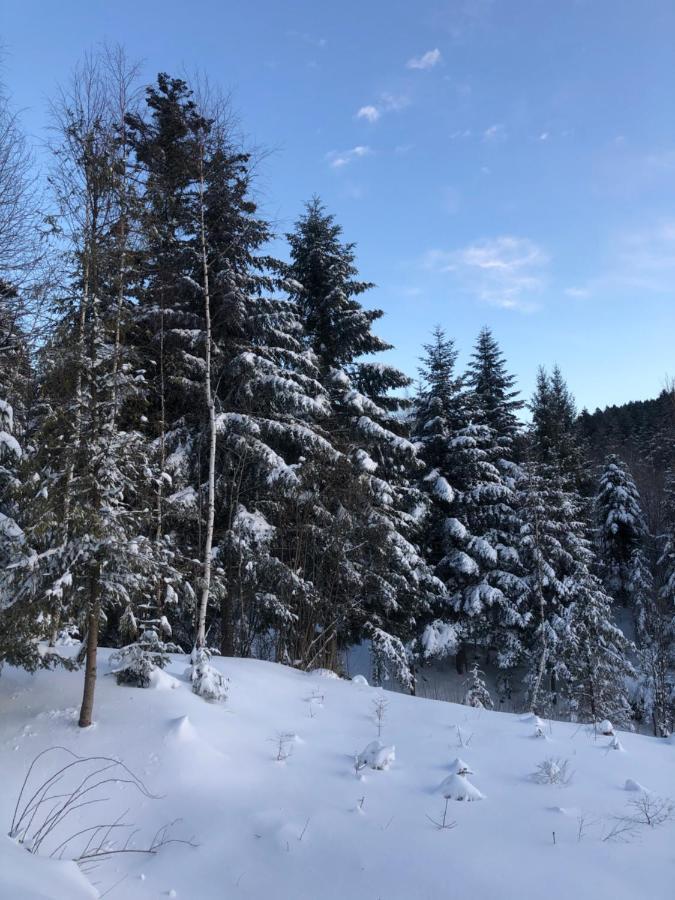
(267, 785)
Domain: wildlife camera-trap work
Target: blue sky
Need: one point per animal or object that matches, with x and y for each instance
(500, 162)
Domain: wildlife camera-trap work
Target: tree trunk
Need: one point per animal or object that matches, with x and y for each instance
(211, 407)
(226, 627)
(87, 707)
(460, 659)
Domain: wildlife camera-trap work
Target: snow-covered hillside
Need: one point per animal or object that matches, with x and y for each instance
(266, 785)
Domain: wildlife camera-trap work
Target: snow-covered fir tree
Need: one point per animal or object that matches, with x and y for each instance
(553, 437)
(493, 398)
(575, 653)
(387, 587)
(623, 540)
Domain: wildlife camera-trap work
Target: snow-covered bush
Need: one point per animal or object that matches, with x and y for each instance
(135, 663)
(375, 756)
(553, 771)
(206, 680)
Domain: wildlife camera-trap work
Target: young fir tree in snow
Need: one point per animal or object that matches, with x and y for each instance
(477, 694)
(386, 586)
(622, 540)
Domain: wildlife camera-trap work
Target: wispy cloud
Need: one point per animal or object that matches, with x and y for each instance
(386, 103)
(494, 133)
(640, 261)
(505, 271)
(339, 159)
(426, 61)
(306, 38)
(369, 113)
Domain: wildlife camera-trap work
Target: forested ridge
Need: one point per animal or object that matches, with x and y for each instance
(200, 453)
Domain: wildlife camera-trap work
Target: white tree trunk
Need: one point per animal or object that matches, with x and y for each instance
(211, 407)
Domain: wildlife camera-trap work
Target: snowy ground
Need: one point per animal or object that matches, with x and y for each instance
(309, 827)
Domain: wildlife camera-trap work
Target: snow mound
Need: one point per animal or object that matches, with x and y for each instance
(376, 756)
(26, 876)
(457, 787)
(181, 730)
(162, 681)
(325, 673)
(632, 785)
(359, 679)
(605, 727)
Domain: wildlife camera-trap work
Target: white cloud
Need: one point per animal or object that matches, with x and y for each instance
(494, 133)
(386, 103)
(369, 113)
(505, 271)
(427, 61)
(339, 159)
(394, 102)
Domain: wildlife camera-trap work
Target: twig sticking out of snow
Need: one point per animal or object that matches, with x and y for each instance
(462, 739)
(443, 824)
(284, 744)
(380, 706)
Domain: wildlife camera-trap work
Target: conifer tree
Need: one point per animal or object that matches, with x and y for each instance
(493, 398)
(574, 650)
(390, 586)
(553, 434)
(623, 540)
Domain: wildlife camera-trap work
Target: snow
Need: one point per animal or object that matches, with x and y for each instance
(268, 829)
(9, 442)
(376, 756)
(457, 787)
(27, 877)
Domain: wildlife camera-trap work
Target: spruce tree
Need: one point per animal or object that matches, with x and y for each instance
(623, 540)
(575, 653)
(553, 435)
(493, 398)
(390, 587)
